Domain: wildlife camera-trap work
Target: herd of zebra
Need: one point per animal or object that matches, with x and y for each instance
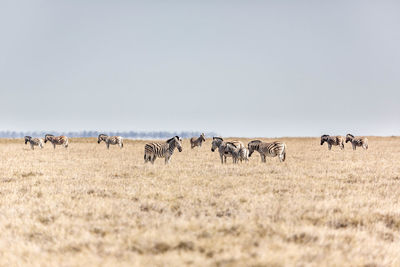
(235, 149)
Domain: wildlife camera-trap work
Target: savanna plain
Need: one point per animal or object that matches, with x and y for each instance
(89, 206)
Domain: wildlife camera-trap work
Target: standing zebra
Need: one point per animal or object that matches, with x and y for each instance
(162, 150)
(357, 141)
(268, 149)
(34, 142)
(219, 143)
(236, 153)
(56, 140)
(197, 141)
(332, 141)
(110, 140)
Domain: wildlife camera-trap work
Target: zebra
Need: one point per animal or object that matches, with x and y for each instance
(34, 142)
(236, 153)
(197, 141)
(110, 140)
(219, 143)
(268, 149)
(56, 140)
(162, 150)
(332, 141)
(357, 141)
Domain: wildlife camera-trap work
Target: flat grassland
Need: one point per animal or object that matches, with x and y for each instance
(88, 206)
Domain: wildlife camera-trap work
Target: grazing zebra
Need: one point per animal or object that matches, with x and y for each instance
(268, 149)
(34, 142)
(162, 150)
(197, 141)
(110, 140)
(219, 143)
(236, 153)
(357, 141)
(56, 140)
(332, 141)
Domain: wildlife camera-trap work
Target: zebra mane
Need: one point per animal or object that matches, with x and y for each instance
(324, 135)
(350, 135)
(255, 141)
(171, 139)
(217, 138)
(48, 135)
(28, 137)
(102, 135)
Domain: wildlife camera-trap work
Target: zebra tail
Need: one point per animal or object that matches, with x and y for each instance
(284, 153)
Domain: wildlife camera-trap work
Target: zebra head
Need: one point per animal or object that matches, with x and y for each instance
(202, 137)
(48, 137)
(349, 137)
(253, 146)
(27, 139)
(216, 143)
(324, 138)
(101, 137)
(175, 142)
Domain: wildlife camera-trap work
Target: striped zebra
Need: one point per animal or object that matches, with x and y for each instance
(219, 143)
(332, 141)
(236, 153)
(34, 142)
(197, 141)
(357, 141)
(268, 149)
(56, 140)
(162, 150)
(110, 140)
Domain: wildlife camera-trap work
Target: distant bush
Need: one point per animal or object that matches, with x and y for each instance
(125, 134)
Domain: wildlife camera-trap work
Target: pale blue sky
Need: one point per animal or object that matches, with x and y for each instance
(239, 68)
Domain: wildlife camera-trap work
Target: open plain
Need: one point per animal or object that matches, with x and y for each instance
(87, 205)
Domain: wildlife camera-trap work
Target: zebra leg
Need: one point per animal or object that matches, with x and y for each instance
(54, 146)
(32, 147)
(354, 146)
(108, 145)
(329, 146)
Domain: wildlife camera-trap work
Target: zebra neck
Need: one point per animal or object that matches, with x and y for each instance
(172, 146)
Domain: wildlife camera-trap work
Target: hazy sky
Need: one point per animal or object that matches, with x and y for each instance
(240, 68)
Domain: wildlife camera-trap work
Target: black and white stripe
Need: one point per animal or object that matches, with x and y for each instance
(357, 141)
(236, 152)
(110, 140)
(34, 142)
(332, 141)
(268, 149)
(162, 150)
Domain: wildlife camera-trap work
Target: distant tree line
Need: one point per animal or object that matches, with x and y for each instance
(125, 134)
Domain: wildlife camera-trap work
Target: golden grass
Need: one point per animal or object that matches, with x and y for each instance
(89, 206)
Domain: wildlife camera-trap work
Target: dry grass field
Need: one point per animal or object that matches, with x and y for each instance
(86, 206)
